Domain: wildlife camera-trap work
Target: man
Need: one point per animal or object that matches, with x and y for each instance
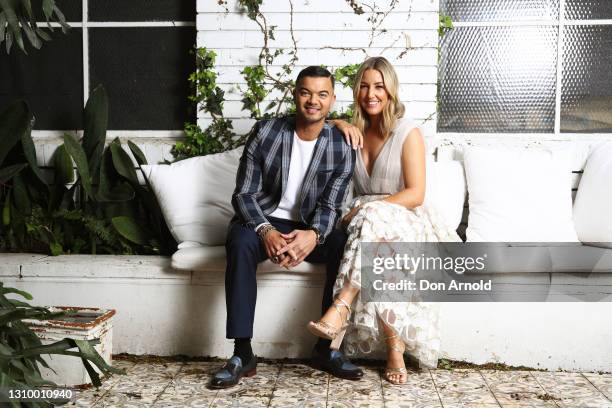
(292, 179)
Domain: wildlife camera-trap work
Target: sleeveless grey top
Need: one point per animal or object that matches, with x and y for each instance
(387, 177)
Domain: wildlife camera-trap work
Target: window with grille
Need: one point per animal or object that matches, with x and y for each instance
(138, 49)
(529, 66)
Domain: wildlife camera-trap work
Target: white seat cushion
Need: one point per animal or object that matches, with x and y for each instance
(195, 196)
(519, 195)
(212, 259)
(445, 190)
(593, 205)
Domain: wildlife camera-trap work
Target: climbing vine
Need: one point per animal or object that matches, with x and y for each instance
(265, 93)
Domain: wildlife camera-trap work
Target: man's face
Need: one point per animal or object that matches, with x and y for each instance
(314, 97)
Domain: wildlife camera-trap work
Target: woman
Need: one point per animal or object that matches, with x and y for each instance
(389, 185)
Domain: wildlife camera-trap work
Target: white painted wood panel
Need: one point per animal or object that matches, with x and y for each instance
(317, 6)
(317, 21)
(229, 74)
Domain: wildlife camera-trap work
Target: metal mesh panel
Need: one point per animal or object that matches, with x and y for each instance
(500, 10)
(49, 79)
(145, 73)
(72, 9)
(498, 79)
(588, 9)
(586, 97)
(142, 10)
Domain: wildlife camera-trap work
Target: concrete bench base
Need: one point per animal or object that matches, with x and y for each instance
(164, 312)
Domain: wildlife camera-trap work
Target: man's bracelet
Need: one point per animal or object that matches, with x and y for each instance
(263, 231)
(317, 233)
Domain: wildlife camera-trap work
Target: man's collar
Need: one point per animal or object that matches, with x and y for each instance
(324, 131)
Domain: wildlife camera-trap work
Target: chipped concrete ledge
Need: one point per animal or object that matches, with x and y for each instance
(166, 312)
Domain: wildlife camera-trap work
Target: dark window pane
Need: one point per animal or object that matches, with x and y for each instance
(586, 92)
(49, 79)
(142, 10)
(498, 79)
(588, 9)
(500, 10)
(144, 71)
(72, 9)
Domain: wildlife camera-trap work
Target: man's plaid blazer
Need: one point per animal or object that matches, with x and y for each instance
(264, 169)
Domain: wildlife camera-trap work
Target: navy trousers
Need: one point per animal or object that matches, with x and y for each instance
(245, 250)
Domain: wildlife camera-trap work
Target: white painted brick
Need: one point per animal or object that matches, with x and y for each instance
(244, 125)
(48, 148)
(154, 153)
(331, 57)
(318, 39)
(419, 110)
(321, 29)
(407, 74)
(40, 155)
(318, 21)
(241, 126)
(315, 6)
(407, 92)
(221, 39)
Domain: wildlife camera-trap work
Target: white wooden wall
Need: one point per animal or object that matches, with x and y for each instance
(321, 29)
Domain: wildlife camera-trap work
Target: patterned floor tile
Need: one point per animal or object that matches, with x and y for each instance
(282, 402)
(293, 375)
(412, 404)
(525, 399)
(462, 387)
(419, 387)
(140, 386)
(125, 400)
(180, 400)
(356, 392)
(240, 402)
(354, 403)
(603, 382)
(566, 385)
(86, 398)
(291, 389)
(176, 384)
(507, 382)
(588, 402)
(193, 378)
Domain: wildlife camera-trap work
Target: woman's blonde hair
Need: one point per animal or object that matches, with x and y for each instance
(394, 108)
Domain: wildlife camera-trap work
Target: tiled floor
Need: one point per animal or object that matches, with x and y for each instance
(280, 384)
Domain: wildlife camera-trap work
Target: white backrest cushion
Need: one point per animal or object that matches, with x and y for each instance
(519, 194)
(593, 204)
(445, 190)
(195, 196)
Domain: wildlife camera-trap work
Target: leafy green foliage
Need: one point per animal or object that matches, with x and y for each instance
(21, 351)
(261, 83)
(76, 212)
(17, 19)
(251, 7)
(219, 136)
(256, 91)
(346, 75)
(445, 24)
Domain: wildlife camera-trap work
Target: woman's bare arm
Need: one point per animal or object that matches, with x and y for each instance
(413, 171)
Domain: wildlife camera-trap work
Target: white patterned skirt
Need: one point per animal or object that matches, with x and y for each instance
(416, 322)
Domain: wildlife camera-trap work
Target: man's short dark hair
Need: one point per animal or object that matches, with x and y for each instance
(315, 71)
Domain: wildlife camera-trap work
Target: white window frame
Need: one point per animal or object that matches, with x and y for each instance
(556, 134)
(85, 24)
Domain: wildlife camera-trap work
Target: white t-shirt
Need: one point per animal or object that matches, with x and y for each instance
(301, 154)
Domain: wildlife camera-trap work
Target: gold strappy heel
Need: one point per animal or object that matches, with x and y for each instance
(327, 331)
(389, 371)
